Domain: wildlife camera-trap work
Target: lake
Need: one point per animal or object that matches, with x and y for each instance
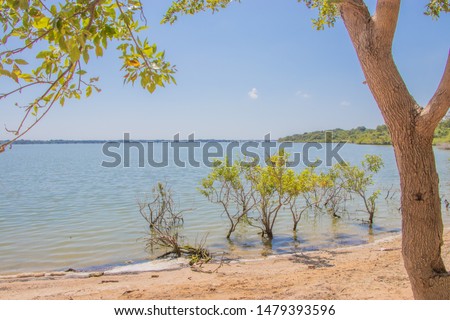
(59, 209)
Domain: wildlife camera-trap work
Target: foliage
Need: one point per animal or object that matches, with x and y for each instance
(435, 7)
(258, 194)
(359, 135)
(190, 7)
(357, 180)
(442, 132)
(226, 185)
(327, 10)
(197, 254)
(241, 188)
(295, 185)
(271, 185)
(363, 135)
(64, 36)
(334, 194)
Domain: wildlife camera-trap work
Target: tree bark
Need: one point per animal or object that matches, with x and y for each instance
(411, 129)
(422, 227)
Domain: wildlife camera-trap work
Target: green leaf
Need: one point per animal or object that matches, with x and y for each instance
(62, 43)
(21, 61)
(151, 87)
(74, 54)
(42, 55)
(41, 23)
(98, 51)
(86, 56)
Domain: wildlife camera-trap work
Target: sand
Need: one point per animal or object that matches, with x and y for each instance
(373, 271)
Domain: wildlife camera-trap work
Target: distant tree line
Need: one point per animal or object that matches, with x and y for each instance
(362, 135)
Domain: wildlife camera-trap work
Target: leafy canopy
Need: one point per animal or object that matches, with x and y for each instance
(63, 36)
(328, 10)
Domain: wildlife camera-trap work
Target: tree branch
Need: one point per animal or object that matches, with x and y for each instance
(438, 106)
(91, 9)
(27, 46)
(4, 95)
(357, 20)
(136, 43)
(385, 20)
(18, 132)
(375, 56)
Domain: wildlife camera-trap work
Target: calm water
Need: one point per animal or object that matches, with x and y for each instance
(59, 208)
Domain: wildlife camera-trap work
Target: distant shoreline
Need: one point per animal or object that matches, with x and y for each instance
(442, 146)
(60, 141)
(364, 136)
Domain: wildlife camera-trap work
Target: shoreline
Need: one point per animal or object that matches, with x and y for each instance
(146, 265)
(368, 271)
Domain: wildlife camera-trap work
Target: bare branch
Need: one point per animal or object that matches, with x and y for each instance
(18, 132)
(385, 19)
(438, 106)
(27, 46)
(5, 95)
(44, 6)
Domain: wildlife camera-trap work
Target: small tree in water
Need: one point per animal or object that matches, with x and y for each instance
(357, 180)
(274, 186)
(165, 222)
(160, 207)
(227, 186)
(163, 219)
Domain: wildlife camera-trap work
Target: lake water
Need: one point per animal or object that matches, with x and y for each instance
(59, 209)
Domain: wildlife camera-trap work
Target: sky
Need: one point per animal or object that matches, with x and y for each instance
(254, 68)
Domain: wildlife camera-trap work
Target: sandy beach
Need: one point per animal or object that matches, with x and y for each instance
(373, 271)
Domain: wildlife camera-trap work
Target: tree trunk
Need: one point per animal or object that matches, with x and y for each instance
(422, 227)
(268, 233)
(295, 225)
(232, 229)
(371, 214)
(411, 129)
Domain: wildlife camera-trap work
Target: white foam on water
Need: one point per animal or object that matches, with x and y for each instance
(154, 265)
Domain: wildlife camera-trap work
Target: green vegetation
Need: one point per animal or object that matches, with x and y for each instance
(363, 135)
(227, 186)
(62, 38)
(442, 132)
(357, 180)
(258, 195)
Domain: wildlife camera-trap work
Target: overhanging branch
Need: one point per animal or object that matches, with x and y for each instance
(438, 106)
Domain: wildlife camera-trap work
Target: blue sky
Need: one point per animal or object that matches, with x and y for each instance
(254, 68)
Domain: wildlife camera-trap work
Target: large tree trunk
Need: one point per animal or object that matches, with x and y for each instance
(422, 227)
(411, 129)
